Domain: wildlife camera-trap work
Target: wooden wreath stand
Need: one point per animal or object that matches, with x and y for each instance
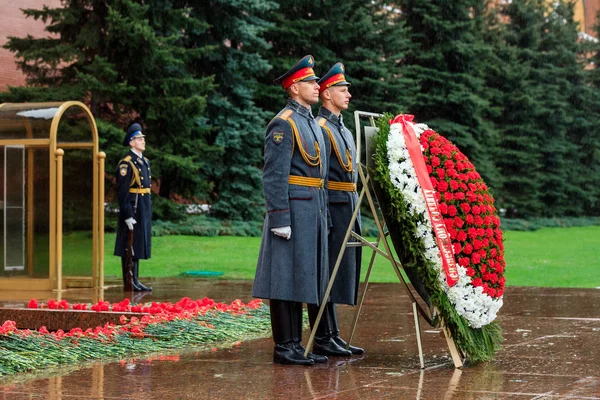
(359, 241)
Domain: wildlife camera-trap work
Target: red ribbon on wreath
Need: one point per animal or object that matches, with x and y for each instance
(439, 227)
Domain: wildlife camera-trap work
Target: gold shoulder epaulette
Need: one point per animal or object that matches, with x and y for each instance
(135, 178)
(286, 114)
(323, 124)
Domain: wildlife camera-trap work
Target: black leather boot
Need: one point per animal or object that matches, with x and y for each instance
(335, 331)
(128, 281)
(137, 285)
(297, 317)
(285, 351)
(324, 343)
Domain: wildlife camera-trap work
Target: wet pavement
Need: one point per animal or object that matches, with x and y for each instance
(551, 351)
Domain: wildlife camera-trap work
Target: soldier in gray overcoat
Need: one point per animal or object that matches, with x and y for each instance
(292, 264)
(343, 200)
(135, 205)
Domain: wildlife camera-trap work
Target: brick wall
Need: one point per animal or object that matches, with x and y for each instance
(591, 10)
(14, 23)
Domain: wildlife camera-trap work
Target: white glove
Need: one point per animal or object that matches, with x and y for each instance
(284, 232)
(130, 222)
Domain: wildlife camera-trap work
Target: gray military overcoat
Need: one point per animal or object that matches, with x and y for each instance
(341, 207)
(295, 269)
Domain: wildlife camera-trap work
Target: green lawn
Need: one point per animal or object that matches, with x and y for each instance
(557, 257)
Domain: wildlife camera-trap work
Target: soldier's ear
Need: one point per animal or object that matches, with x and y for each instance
(294, 89)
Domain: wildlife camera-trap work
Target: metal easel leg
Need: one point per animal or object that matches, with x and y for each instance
(418, 332)
(364, 293)
(313, 332)
(387, 253)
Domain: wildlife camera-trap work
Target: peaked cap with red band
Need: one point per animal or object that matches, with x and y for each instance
(301, 72)
(333, 77)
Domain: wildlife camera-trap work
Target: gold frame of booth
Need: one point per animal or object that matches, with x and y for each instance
(36, 128)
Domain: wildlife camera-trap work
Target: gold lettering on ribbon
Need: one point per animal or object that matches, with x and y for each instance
(442, 237)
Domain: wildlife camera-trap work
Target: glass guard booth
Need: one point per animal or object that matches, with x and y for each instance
(51, 197)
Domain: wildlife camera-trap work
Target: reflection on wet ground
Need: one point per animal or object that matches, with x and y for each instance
(551, 351)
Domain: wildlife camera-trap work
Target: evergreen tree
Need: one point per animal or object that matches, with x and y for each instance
(445, 75)
(589, 139)
(515, 36)
(548, 152)
(125, 59)
(236, 123)
(365, 35)
(562, 120)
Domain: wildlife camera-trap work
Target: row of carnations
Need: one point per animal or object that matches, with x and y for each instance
(157, 313)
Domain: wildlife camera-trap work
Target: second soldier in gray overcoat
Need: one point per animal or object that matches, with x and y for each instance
(293, 260)
(343, 200)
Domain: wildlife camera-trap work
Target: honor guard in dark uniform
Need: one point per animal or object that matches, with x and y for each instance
(292, 265)
(135, 205)
(343, 200)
